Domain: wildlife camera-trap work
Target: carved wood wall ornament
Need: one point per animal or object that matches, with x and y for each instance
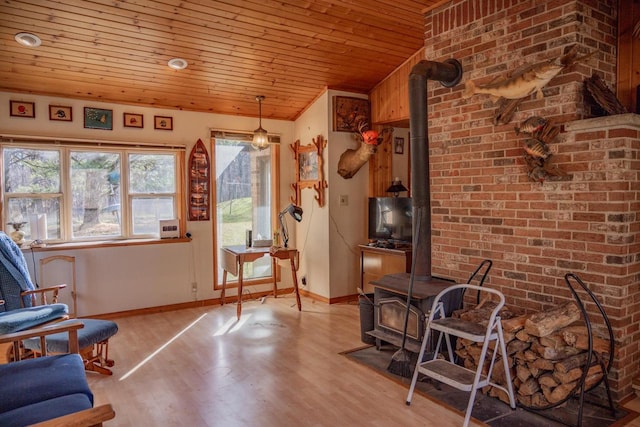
(199, 181)
(309, 169)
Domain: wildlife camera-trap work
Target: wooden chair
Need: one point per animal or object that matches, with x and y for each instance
(93, 338)
(27, 306)
(24, 306)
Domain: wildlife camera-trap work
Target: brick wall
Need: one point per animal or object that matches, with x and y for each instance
(483, 203)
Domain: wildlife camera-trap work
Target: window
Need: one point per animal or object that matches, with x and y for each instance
(245, 182)
(71, 193)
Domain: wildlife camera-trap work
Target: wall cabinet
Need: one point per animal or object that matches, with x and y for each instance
(378, 262)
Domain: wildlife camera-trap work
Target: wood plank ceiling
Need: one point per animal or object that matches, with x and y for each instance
(287, 50)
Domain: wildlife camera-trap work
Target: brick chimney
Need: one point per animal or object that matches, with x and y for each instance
(483, 203)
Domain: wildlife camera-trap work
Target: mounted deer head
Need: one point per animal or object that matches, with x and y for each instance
(352, 160)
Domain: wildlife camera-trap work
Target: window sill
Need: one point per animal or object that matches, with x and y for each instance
(102, 244)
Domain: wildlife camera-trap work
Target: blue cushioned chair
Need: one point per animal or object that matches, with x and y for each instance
(48, 390)
(21, 312)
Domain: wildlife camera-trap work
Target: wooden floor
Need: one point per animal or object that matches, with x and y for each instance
(276, 367)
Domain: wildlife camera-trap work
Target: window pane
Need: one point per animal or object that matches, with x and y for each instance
(31, 171)
(28, 209)
(243, 190)
(95, 187)
(152, 173)
(148, 211)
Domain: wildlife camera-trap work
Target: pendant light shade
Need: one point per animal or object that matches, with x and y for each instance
(260, 137)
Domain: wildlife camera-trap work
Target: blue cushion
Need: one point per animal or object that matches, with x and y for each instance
(26, 318)
(94, 331)
(45, 410)
(35, 380)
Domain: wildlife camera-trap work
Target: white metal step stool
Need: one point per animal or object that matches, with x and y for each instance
(447, 371)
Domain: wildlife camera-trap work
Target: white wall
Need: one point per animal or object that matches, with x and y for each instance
(124, 278)
(312, 238)
(329, 236)
(347, 224)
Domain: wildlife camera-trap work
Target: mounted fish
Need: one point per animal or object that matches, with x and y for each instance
(537, 149)
(531, 125)
(527, 80)
(539, 128)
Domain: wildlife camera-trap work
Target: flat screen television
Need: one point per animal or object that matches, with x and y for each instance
(390, 218)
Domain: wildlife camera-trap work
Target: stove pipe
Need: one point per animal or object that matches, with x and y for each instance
(449, 74)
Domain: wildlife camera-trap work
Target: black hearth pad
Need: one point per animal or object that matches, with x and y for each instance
(488, 409)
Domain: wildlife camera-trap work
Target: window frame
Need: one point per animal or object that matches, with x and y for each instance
(65, 148)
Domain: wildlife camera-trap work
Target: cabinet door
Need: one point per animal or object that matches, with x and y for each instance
(376, 265)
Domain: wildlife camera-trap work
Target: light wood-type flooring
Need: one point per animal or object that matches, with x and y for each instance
(276, 367)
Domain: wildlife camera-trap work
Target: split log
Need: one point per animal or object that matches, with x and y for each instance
(546, 322)
(569, 363)
(544, 364)
(554, 340)
(578, 337)
(539, 401)
(523, 372)
(567, 377)
(535, 372)
(561, 392)
(551, 353)
(530, 356)
(516, 346)
(546, 392)
(500, 394)
(548, 380)
(529, 387)
(522, 335)
(593, 376)
(514, 324)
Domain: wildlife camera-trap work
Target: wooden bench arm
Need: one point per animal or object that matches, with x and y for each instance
(87, 418)
(42, 332)
(55, 289)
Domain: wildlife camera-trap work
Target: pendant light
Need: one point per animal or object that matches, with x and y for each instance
(260, 137)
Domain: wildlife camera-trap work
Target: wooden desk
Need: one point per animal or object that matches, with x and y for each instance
(233, 258)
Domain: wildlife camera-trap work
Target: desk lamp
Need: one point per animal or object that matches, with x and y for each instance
(296, 213)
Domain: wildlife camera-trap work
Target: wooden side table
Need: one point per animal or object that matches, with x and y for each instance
(292, 255)
(234, 257)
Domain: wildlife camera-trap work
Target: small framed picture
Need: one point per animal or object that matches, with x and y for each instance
(350, 113)
(98, 118)
(398, 145)
(163, 123)
(22, 109)
(133, 120)
(60, 113)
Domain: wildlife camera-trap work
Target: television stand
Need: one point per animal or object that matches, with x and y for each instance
(376, 262)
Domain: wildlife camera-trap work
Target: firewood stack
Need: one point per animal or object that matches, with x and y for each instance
(547, 352)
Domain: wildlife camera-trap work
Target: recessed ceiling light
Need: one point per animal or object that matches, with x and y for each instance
(178, 63)
(28, 39)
